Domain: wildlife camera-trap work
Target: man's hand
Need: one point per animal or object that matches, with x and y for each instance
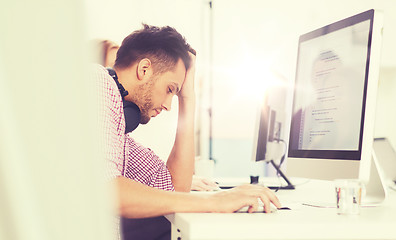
(203, 184)
(245, 195)
(187, 90)
(137, 200)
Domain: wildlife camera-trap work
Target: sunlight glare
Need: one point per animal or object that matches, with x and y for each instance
(255, 79)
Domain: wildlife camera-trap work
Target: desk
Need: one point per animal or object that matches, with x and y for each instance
(302, 222)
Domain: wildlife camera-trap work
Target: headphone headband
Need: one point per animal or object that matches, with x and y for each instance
(121, 88)
(131, 110)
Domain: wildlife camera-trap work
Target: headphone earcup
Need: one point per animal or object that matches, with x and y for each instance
(132, 116)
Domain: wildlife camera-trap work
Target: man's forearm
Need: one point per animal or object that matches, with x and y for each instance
(136, 200)
(139, 201)
(181, 159)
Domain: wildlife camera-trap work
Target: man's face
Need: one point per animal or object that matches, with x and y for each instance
(157, 93)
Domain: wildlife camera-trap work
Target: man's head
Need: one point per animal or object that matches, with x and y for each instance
(151, 64)
(163, 46)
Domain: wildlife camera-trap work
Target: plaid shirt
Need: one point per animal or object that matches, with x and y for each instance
(144, 166)
(124, 156)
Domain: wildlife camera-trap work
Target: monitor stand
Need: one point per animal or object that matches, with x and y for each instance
(375, 190)
(289, 185)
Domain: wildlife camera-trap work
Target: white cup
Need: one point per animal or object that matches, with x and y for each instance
(348, 196)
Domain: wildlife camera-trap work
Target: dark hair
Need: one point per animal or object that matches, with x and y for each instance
(164, 46)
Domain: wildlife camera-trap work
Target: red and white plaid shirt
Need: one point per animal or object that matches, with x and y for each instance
(124, 156)
(144, 166)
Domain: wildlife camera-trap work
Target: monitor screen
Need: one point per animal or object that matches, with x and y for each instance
(334, 98)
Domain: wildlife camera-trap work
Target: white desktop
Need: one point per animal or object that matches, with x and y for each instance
(303, 221)
(331, 134)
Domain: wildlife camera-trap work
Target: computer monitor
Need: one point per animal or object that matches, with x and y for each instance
(267, 141)
(333, 113)
(264, 131)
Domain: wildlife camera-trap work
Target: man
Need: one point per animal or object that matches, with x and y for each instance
(152, 66)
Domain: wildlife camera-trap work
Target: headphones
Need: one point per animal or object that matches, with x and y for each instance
(131, 110)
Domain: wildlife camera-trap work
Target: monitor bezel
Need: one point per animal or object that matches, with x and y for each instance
(293, 152)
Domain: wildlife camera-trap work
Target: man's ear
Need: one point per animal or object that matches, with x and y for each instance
(144, 69)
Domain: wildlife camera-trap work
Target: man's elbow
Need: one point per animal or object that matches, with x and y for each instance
(126, 212)
(123, 204)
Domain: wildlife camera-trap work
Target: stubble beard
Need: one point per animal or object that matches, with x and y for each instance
(143, 99)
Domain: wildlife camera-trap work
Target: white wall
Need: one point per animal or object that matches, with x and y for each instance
(386, 115)
(51, 172)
